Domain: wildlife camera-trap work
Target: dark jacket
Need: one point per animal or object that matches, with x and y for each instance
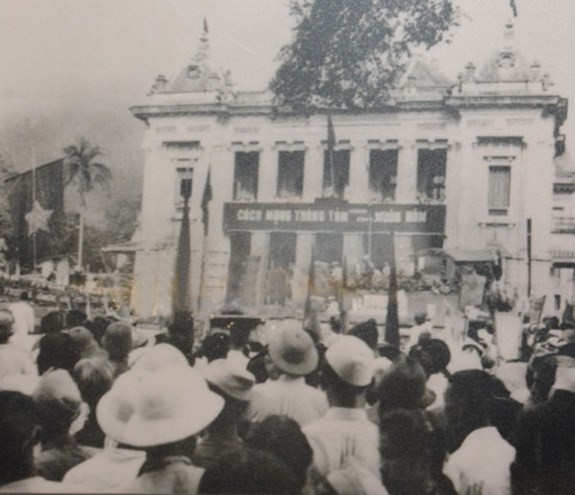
(545, 448)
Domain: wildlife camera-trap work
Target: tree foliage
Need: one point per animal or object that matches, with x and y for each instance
(84, 170)
(349, 53)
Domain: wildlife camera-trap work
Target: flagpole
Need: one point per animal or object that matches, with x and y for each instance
(330, 152)
(34, 254)
(206, 198)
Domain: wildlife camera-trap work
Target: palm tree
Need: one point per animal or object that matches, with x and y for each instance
(87, 174)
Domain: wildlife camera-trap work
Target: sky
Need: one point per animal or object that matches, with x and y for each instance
(71, 68)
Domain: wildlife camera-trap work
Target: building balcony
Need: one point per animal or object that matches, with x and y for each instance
(563, 225)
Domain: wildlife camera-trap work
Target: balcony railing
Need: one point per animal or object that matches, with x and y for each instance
(564, 225)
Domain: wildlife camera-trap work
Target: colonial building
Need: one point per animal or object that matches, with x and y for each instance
(455, 165)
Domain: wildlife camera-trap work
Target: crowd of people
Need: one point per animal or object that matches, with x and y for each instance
(313, 411)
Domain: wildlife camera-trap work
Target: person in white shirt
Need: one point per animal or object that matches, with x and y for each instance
(345, 434)
(13, 361)
(293, 354)
(481, 464)
(24, 319)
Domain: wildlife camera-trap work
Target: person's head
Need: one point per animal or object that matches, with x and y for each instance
(98, 326)
(568, 332)
(152, 409)
(58, 401)
(282, 437)
(348, 371)
(433, 355)
(420, 317)
(19, 432)
(468, 401)
(94, 378)
(117, 341)
(292, 351)
(6, 325)
(540, 377)
(248, 471)
(75, 318)
(216, 346)
(53, 322)
(402, 386)
(366, 331)
(85, 343)
(412, 453)
(234, 385)
(24, 296)
(57, 351)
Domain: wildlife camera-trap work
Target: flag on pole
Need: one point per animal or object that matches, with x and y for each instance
(392, 319)
(344, 297)
(513, 7)
(331, 153)
(308, 312)
(36, 201)
(206, 198)
(181, 295)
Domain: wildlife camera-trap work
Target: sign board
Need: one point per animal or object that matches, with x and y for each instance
(335, 217)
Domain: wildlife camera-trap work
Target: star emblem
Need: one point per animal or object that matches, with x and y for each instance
(37, 218)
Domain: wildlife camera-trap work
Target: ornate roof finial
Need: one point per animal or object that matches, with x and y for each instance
(509, 35)
(201, 55)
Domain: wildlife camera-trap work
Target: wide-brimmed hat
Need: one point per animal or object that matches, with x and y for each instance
(144, 409)
(352, 360)
(292, 350)
(233, 380)
(156, 358)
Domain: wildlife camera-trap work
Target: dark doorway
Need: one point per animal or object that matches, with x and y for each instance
(329, 247)
(240, 246)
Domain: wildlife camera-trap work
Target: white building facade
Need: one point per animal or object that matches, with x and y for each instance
(458, 166)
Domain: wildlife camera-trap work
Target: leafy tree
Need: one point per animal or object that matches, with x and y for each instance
(122, 218)
(83, 168)
(348, 53)
(86, 173)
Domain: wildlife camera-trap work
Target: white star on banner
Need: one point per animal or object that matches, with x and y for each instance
(37, 218)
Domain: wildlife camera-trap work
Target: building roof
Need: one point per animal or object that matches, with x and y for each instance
(470, 255)
(197, 76)
(423, 75)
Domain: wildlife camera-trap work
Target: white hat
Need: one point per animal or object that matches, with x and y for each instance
(292, 351)
(25, 384)
(57, 384)
(144, 409)
(352, 360)
(231, 379)
(156, 357)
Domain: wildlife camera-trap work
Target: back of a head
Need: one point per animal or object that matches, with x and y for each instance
(216, 346)
(412, 452)
(366, 331)
(94, 378)
(282, 436)
(6, 324)
(24, 296)
(402, 385)
(98, 326)
(75, 318)
(249, 472)
(58, 401)
(57, 351)
(468, 399)
(18, 421)
(117, 341)
(53, 322)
